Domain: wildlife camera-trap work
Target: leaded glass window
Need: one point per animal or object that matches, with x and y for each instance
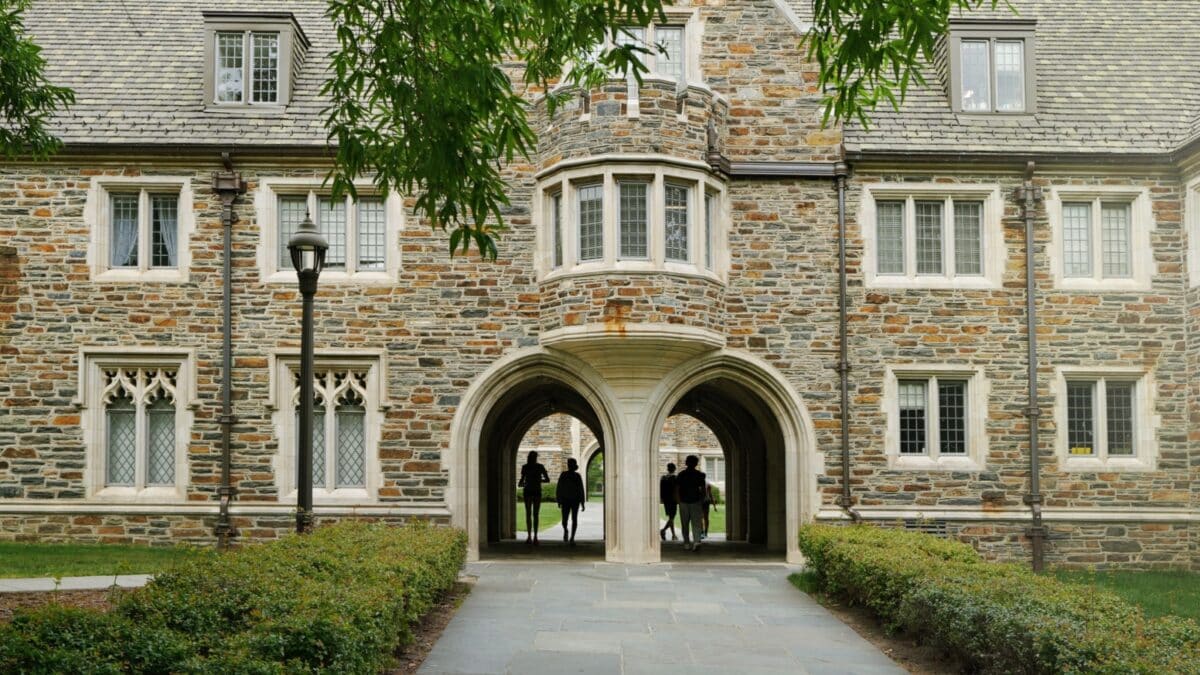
(1010, 75)
(230, 85)
(933, 416)
(1115, 240)
(929, 237)
(678, 198)
(913, 420)
(591, 222)
(634, 219)
(556, 223)
(968, 238)
(1101, 417)
(669, 61)
(1097, 239)
(976, 76)
(952, 417)
(992, 75)
(140, 431)
(143, 230)
(264, 73)
(339, 427)
(356, 231)
(1077, 240)
(247, 67)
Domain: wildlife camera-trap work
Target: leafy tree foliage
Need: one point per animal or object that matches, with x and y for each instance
(873, 50)
(429, 96)
(27, 99)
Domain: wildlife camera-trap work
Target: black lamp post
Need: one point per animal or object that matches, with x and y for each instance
(307, 247)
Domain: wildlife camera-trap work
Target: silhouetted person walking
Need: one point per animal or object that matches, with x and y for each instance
(689, 492)
(666, 496)
(709, 501)
(532, 477)
(571, 497)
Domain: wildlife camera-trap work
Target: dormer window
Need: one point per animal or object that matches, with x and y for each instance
(252, 58)
(991, 66)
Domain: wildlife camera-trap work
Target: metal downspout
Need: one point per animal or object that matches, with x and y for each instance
(846, 501)
(228, 185)
(1028, 194)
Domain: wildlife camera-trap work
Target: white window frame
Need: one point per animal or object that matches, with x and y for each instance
(1145, 420)
(567, 179)
(978, 391)
(993, 253)
(94, 425)
(266, 204)
(1141, 224)
(97, 214)
(283, 365)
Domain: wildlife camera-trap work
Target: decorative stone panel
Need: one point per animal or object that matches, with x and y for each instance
(616, 300)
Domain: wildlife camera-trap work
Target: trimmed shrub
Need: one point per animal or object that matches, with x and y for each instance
(993, 617)
(341, 599)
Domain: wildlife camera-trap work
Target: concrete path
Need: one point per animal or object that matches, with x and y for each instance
(72, 583)
(691, 619)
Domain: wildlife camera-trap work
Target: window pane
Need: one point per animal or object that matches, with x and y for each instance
(889, 233)
(1077, 240)
(634, 219)
(968, 237)
(952, 417)
(291, 213)
(636, 36)
(591, 222)
(1080, 427)
(264, 82)
(1114, 240)
(121, 456)
(228, 80)
(1010, 75)
(164, 228)
(670, 60)
(929, 237)
(709, 204)
(160, 460)
(123, 249)
(331, 221)
(976, 89)
(318, 445)
(556, 219)
(677, 197)
(912, 417)
(1119, 397)
(372, 235)
(351, 447)
(716, 469)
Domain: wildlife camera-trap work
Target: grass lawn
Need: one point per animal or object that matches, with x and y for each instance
(1159, 593)
(20, 559)
(549, 516)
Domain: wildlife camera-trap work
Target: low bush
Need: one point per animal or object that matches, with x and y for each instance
(341, 599)
(993, 617)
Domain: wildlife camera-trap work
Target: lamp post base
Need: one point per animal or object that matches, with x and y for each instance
(304, 522)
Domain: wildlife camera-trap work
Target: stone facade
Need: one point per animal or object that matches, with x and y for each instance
(609, 351)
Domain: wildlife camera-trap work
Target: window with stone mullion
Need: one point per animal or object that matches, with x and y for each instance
(590, 214)
(634, 217)
(929, 236)
(678, 198)
(1101, 416)
(140, 434)
(933, 416)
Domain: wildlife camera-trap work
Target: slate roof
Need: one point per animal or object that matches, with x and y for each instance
(138, 73)
(1113, 76)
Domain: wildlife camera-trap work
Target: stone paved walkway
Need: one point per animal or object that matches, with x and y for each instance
(691, 619)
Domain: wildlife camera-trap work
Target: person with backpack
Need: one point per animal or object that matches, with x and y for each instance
(571, 497)
(666, 496)
(689, 493)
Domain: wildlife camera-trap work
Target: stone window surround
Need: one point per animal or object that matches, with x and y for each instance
(282, 364)
(992, 30)
(994, 253)
(609, 169)
(92, 418)
(292, 44)
(97, 217)
(1142, 223)
(1146, 423)
(266, 206)
(978, 390)
(1192, 219)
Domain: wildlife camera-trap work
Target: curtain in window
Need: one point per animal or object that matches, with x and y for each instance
(889, 235)
(677, 198)
(164, 231)
(121, 459)
(124, 218)
(160, 464)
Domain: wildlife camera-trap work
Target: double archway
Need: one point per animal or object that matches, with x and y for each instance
(761, 423)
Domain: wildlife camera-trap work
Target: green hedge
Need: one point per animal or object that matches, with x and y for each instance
(339, 600)
(999, 618)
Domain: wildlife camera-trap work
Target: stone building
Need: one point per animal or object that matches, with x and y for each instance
(676, 248)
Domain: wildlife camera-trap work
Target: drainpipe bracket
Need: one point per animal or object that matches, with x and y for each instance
(227, 419)
(1034, 411)
(1033, 498)
(843, 367)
